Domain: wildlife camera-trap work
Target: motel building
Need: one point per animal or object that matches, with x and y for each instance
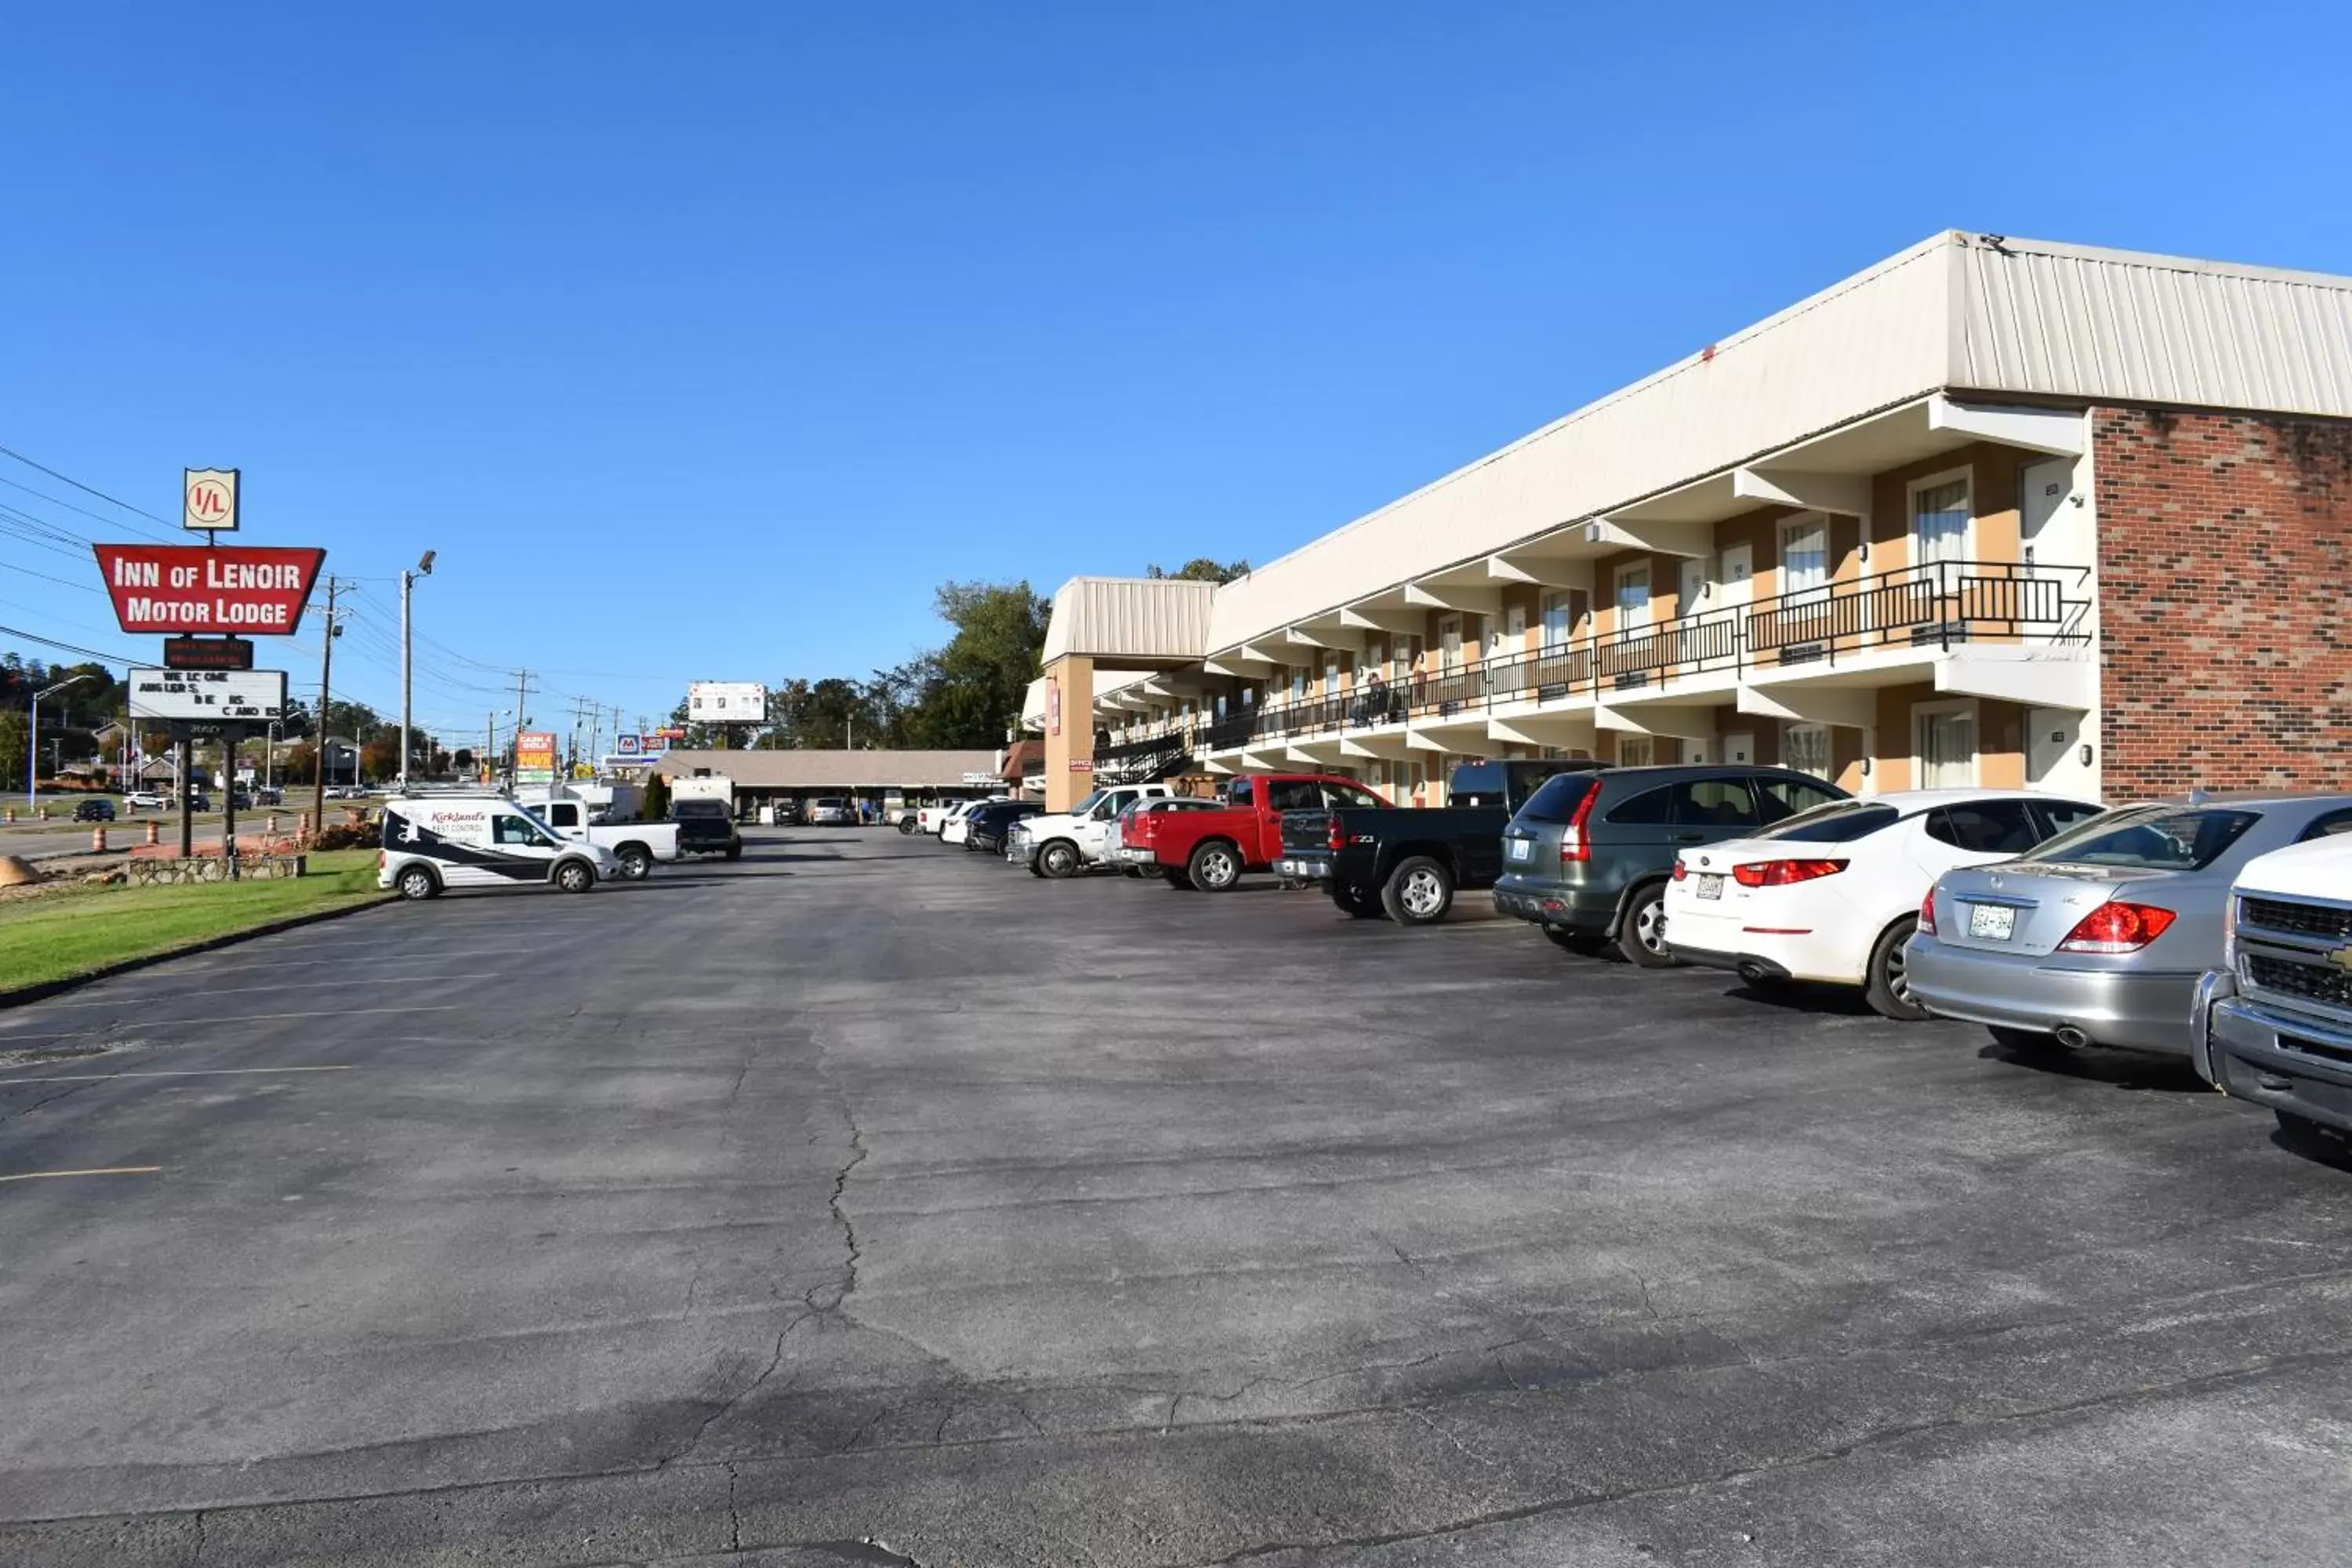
(1993, 512)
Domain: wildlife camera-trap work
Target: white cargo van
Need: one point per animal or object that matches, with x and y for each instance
(433, 842)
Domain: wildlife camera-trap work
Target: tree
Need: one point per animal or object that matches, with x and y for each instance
(1200, 569)
(656, 805)
(972, 693)
(16, 735)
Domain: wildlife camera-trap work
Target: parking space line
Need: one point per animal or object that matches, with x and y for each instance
(153, 1024)
(285, 986)
(99, 1171)
(178, 1072)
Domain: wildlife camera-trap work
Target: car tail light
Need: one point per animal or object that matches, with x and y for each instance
(1338, 835)
(1780, 873)
(1682, 868)
(2117, 927)
(1927, 912)
(1573, 844)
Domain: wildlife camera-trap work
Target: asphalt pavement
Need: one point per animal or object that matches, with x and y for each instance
(866, 1201)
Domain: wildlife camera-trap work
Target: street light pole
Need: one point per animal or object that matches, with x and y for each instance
(424, 568)
(33, 750)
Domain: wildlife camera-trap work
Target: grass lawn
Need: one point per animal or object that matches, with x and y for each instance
(73, 934)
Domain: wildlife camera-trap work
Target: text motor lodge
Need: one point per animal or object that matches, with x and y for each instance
(209, 590)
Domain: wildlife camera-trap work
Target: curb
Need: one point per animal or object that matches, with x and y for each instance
(48, 988)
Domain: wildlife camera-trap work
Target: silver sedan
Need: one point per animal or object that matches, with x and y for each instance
(2098, 936)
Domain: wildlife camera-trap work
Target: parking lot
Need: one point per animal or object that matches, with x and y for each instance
(871, 1201)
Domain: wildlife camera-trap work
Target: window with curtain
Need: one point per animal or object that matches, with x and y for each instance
(1633, 597)
(1805, 558)
(1939, 521)
(1806, 749)
(1554, 619)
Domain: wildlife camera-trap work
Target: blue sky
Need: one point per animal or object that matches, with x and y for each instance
(705, 340)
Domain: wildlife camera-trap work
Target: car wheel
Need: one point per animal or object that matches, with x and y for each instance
(1579, 942)
(907, 825)
(1058, 859)
(416, 883)
(1359, 903)
(1214, 868)
(575, 876)
(734, 852)
(1889, 986)
(1418, 892)
(1177, 878)
(2314, 1140)
(637, 862)
(1643, 937)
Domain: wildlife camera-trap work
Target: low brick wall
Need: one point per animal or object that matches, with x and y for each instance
(150, 871)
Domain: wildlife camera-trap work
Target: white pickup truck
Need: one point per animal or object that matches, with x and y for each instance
(1065, 843)
(635, 845)
(2273, 1023)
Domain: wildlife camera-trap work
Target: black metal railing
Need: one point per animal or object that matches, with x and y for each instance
(1941, 603)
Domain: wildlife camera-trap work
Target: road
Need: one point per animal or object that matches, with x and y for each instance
(870, 1202)
(38, 843)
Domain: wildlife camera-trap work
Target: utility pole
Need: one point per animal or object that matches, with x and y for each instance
(424, 568)
(490, 742)
(522, 696)
(326, 686)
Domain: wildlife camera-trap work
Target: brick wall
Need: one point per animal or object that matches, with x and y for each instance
(2225, 566)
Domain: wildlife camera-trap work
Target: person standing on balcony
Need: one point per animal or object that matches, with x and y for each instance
(1372, 706)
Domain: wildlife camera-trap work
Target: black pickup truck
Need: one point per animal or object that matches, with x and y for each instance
(704, 827)
(1408, 862)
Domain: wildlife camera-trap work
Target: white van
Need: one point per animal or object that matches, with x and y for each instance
(436, 841)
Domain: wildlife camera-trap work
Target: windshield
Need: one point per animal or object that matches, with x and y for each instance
(684, 809)
(1839, 822)
(2156, 837)
(1088, 803)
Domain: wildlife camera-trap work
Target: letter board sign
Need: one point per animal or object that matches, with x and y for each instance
(250, 696)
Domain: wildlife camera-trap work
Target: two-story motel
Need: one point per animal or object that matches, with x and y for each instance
(1994, 511)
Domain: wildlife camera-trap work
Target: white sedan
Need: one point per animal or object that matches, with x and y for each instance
(957, 826)
(1831, 894)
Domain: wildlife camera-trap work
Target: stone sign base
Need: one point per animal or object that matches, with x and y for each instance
(152, 871)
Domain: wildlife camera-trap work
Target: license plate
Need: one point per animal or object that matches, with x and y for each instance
(1710, 886)
(1522, 849)
(1992, 922)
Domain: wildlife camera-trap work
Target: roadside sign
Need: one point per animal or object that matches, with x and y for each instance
(535, 757)
(615, 762)
(628, 745)
(1080, 766)
(258, 590)
(671, 733)
(250, 696)
(207, 653)
(655, 744)
(209, 499)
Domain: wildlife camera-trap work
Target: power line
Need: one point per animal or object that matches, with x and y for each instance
(69, 648)
(93, 490)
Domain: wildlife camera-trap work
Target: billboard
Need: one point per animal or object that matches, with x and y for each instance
(722, 701)
(250, 589)
(240, 695)
(535, 757)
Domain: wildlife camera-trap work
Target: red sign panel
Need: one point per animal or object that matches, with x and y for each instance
(253, 590)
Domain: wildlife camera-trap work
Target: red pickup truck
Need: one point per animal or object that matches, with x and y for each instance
(1211, 850)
